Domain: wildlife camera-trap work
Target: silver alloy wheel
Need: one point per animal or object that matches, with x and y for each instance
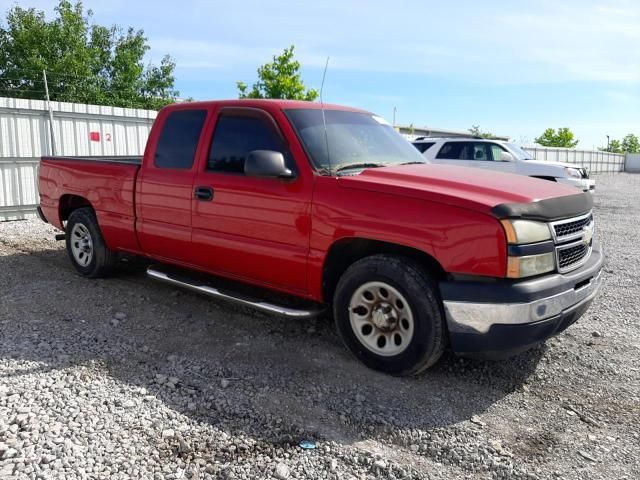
(81, 244)
(381, 318)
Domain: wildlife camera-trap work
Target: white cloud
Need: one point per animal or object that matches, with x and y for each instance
(542, 42)
(489, 42)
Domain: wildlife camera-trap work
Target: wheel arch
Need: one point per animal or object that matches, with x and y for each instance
(69, 203)
(346, 251)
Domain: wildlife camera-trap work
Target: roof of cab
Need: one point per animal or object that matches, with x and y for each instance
(267, 104)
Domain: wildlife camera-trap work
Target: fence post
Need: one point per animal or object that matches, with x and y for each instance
(46, 90)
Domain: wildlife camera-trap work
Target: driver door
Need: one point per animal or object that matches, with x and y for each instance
(251, 228)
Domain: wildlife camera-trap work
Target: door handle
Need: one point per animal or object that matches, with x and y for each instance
(203, 193)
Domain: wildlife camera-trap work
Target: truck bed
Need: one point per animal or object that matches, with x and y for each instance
(107, 184)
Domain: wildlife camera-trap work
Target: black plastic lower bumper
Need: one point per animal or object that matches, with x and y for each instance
(506, 340)
(498, 318)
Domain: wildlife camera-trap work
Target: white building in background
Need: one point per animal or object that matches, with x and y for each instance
(411, 133)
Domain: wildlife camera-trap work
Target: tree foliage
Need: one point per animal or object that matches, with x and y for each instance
(279, 79)
(614, 147)
(476, 132)
(562, 138)
(85, 62)
(629, 144)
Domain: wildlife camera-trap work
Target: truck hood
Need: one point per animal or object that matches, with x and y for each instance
(498, 194)
(544, 163)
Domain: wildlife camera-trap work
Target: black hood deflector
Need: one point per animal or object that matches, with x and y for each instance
(547, 210)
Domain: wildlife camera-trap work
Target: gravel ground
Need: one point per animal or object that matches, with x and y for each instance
(127, 378)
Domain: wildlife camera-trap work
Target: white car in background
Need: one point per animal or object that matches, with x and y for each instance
(502, 157)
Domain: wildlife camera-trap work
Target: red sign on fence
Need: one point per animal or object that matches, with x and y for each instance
(94, 136)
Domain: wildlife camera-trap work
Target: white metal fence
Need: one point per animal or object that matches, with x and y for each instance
(78, 129)
(593, 161)
(632, 163)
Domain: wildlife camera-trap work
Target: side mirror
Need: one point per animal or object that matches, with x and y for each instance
(506, 157)
(266, 163)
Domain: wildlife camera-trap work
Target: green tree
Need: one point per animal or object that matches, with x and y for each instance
(279, 79)
(476, 132)
(85, 62)
(562, 138)
(614, 147)
(630, 144)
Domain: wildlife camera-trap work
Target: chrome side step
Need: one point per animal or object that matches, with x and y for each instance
(200, 287)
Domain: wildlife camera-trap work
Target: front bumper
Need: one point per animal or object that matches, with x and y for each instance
(503, 317)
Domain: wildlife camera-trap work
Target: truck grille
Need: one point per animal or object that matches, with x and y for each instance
(573, 238)
(568, 229)
(570, 255)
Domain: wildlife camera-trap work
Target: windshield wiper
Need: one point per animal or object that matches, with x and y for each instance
(353, 166)
(413, 163)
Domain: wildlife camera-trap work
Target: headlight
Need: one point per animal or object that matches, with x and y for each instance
(525, 231)
(573, 172)
(519, 267)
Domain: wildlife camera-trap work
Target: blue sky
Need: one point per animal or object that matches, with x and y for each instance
(512, 67)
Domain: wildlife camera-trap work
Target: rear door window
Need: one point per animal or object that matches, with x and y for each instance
(179, 139)
(480, 152)
(454, 151)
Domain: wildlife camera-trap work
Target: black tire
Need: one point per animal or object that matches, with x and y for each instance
(428, 339)
(102, 260)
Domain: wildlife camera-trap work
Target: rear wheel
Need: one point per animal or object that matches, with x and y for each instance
(86, 247)
(388, 313)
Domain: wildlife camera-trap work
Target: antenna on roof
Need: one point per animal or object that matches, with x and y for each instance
(324, 120)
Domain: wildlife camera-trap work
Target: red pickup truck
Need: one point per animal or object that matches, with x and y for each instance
(314, 207)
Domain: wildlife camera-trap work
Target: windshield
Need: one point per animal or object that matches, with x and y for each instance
(519, 152)
(354, 139)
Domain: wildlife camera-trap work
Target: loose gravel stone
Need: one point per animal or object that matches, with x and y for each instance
(282, 471)
(379, 465)
(585, 455)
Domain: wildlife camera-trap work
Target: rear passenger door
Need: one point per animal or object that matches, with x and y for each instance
(165, 185)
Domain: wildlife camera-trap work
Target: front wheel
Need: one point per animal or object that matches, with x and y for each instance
(388, 313)
(86, 247)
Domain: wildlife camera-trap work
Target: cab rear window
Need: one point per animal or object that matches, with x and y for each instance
(179, 139)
